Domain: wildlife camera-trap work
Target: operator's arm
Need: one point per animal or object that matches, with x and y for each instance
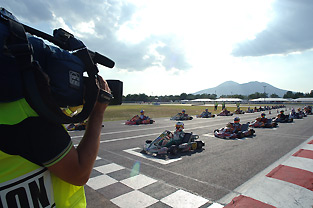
(76, 166)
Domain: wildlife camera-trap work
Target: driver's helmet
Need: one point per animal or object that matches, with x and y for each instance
(282, 111)
(206, 110)
(142, 112)
(179, 126)
(263, 115)
(236, 120)
(183, 111)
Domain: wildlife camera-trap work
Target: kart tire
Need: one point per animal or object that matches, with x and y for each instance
(199, 145)
(173, 150)
(252, 132)
(240, 135)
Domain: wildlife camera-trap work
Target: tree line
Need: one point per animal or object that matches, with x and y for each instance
(184, 96)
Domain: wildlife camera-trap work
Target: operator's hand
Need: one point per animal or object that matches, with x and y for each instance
(104, 85)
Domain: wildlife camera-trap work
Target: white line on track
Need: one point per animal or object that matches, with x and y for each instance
(126, 138)
(150, 157)
(139, 136)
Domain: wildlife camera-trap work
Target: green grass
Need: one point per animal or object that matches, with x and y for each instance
(127, 111)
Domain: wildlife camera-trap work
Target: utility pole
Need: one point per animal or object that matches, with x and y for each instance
(264, 93)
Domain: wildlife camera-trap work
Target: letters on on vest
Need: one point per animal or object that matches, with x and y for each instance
(31, 190)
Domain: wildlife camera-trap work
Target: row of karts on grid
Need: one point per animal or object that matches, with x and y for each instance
(183, 116)
(237, 131)
(142, 119)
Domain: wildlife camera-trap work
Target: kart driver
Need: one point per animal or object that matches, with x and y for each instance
(177, 136)
(179, 132)
(142, 115)
(281, 115)
(205, 113)
(263, 120)
(236, 126)
(183, 114)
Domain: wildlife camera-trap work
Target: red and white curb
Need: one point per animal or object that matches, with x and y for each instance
(288, 183)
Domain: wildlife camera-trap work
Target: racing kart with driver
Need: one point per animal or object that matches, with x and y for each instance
(141, 119)
(282, 118)
(181, 116)
(206, 114)
(172, 143)
(234, 130)
(263, 122)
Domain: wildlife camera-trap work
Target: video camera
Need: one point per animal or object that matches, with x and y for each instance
(67, 41)
(51, 78)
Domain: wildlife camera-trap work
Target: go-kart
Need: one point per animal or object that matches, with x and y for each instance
(283, 119)
(160, 145)
(181, 117)
(259, 124)
(238, 111)
(295, 115)
(308, 110)
(206, 115)
(76, 126)
(136, 121)
(249, 111)
(226, 132)
(225, 113)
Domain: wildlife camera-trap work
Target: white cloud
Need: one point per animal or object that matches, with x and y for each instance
(182, 39)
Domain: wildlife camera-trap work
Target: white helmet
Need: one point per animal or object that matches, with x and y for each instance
(179, 126)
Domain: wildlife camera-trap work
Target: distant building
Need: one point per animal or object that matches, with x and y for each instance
(304, 100)
(269, 100)
(229, 100)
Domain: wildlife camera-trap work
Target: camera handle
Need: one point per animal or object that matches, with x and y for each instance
(67, 41)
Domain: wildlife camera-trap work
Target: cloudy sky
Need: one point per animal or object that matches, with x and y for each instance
(167, 47)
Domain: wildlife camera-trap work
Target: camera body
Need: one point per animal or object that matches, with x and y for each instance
(67, 41)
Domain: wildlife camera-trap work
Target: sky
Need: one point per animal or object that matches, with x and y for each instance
(169, 47)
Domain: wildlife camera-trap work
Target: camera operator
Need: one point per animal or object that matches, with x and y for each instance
(39, 166)
(29, 142)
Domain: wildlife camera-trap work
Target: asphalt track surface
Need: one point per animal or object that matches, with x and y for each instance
(210, 174)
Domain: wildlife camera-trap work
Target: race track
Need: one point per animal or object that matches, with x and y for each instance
(124, 177)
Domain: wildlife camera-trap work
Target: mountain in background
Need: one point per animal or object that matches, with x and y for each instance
(233, 88)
